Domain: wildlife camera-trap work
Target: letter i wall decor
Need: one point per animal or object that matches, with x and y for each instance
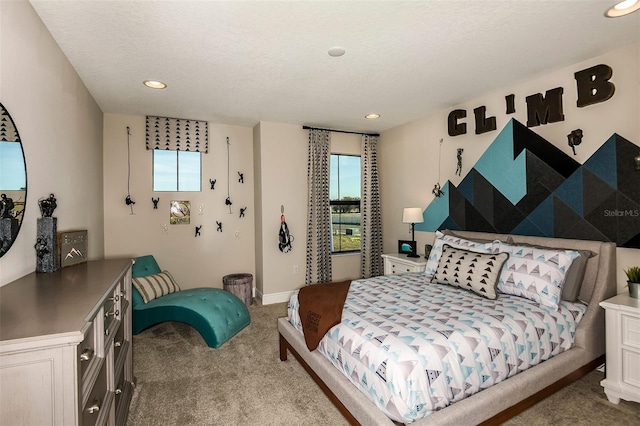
(525, 185)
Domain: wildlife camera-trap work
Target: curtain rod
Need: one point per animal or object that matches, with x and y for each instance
(340, 131)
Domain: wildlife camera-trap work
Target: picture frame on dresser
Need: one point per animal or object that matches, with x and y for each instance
(72, 247)
(407, 247)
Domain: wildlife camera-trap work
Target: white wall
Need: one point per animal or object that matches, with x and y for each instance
(408, 154)
(194, 261)
(257, 205)
(61, 130)
(283, 150)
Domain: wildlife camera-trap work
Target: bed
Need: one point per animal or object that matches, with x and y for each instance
(508, 397)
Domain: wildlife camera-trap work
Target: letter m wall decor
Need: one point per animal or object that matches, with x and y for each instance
(525, 185)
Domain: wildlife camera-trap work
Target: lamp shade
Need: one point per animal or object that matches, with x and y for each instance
(412, 215)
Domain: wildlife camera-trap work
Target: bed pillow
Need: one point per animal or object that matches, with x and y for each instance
(575, 276)
(470, 270)
(455, 242)
(509, 239)
(535, 273)
(156, 285)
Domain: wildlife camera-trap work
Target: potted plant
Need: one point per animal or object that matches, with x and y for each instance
(633, 280)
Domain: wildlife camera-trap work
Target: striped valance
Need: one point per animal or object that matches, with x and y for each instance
(177, 134)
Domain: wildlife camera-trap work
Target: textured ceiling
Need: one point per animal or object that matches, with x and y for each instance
(241, 62)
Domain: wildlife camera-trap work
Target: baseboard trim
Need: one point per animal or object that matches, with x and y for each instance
(269, 299)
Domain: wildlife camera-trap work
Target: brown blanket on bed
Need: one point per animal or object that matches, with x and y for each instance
(320, 309)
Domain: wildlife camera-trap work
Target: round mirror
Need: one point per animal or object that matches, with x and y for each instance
(13, 181)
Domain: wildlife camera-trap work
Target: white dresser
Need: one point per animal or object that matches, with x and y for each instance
(396, 263)
(65, 346)
(622, 322)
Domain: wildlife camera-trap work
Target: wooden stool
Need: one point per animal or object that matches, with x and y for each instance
(239, 285)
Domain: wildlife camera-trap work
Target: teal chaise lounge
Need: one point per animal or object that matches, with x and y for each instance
(217, 314)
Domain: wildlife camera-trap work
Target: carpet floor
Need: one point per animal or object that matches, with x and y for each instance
(181, 381)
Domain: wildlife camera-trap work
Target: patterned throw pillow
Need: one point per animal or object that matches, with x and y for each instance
(470, 270)
(156, 285)
(453, 241)
(534, 273)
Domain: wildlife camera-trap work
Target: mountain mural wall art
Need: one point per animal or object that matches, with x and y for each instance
(525, 185)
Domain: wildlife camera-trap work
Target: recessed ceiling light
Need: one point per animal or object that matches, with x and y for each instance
(154, 84)
(372, 116)
(622, 8)
(336, 51)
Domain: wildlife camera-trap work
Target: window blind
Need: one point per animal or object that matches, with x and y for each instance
(177, 134)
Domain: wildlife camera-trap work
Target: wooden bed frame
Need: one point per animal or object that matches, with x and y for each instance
(505, 399)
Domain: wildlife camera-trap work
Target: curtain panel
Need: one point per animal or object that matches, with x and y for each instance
(371, 217)
(177, 134)
(318, 267)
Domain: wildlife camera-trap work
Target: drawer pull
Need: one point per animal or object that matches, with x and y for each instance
(113, 313)
(86, 355)
(95, 407)
(115, 298)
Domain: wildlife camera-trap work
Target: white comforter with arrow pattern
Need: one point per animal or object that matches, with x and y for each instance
(414, 347)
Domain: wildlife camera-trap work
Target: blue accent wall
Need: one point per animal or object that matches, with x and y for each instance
(525, 185)
(500, 166)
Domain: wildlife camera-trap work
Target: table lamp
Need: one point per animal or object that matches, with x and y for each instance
(412, 215)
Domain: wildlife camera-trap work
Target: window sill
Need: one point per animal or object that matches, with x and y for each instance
(347, 253)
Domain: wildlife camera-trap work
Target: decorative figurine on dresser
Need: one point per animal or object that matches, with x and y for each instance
(46, 240)
(6, 205)
(8, 224)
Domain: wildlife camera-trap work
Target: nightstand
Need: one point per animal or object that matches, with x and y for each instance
(396, 263)
(622, 322)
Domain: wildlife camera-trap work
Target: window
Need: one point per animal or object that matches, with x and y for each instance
(176, 171)
(344, 199)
